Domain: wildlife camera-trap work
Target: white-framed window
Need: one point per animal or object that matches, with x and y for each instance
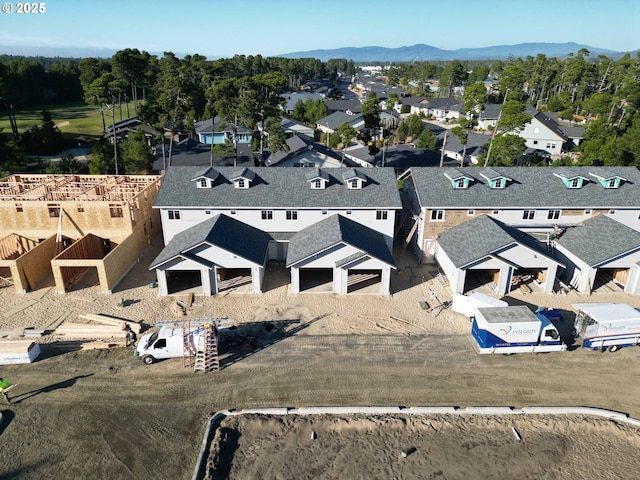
(528, 214)
(292, 214)
(19, 208)
(174, 214)
(267, 214)
(207, 212)
(612, 183)
(437, 215)
(233, 212)
(587, 212)
(612, 212)
(471, 213)
(549, 145)
(459, 183)
(324, 212)
(317, 184)
(575, 183)
(353, 184)
(553, 214)
(203, 183)
(381, 215)
(498, 183)
(240, 183)
(495, 212)
(535, 142)
(348, 212)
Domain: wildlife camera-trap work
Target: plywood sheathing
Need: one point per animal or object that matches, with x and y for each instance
(118, 208)
(27, 260)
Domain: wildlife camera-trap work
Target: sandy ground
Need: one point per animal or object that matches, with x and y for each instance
(322, 313)
(439, 447)
(103, 414)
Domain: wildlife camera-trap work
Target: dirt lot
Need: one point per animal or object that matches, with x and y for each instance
(435, 447)
(103, 414)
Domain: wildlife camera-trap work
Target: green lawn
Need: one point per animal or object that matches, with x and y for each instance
(77, 121)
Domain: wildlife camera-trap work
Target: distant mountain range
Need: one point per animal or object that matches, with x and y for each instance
(422, 52)
(418, 52)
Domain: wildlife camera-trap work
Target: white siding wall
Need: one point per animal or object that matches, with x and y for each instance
(253, 217)
(513, 217)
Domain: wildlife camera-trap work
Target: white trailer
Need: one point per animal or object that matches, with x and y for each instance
(467, 304)
(516, 329)
(602, 326)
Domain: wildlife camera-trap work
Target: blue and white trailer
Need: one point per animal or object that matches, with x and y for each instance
(513, 330)
(602, 326)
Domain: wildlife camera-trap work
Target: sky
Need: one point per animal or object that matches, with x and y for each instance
(223, 28)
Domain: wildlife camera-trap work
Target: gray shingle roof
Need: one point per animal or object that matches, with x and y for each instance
(600, 239)
(278, 188)
(333, 231)
(336, 119)
(533, 187)
(222, 231)
(478, 238)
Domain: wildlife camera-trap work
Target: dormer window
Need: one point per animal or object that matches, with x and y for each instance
(203, 183)
(459, 180)
(240, 183)
(317, 184)
(494, 178)
(608, 178)
(353, 184)
(576, 183)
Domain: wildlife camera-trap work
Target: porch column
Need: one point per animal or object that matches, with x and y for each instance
(385, 287)
(161, 275)
(257, 274)
(340, 280)
(550, 278)
(295, 280)
(206, 278)
(504, 282)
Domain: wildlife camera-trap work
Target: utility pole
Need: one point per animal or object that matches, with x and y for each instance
(444, 144)
(495, 130)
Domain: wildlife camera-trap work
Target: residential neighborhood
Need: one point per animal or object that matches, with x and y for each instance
(306, 266)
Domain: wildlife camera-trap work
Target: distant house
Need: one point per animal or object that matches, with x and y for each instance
(399, 157)
(191, 153)
(330, 123)
(542, 133)
(292, 127)
(291, 98)
(218, 131)
(350, 107)
(304, 152)
(443, 109)
(454, 149)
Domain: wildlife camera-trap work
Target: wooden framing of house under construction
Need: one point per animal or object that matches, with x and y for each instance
(86, 210)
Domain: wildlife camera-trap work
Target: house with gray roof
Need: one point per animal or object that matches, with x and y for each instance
(465, 155)
(535, 200)
(221, 252)
(352, 257)
(192, 153)
(304, 152)
(277, 202)
(220, 131)
(291, 98)
(485, 251)
(330, 123)
(600, 251)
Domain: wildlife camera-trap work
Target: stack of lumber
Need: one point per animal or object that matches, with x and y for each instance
(112, 321)
(82, 331)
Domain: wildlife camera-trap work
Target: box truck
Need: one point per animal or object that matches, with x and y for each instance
(602, 326)
(170, 341)
(516, 329)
